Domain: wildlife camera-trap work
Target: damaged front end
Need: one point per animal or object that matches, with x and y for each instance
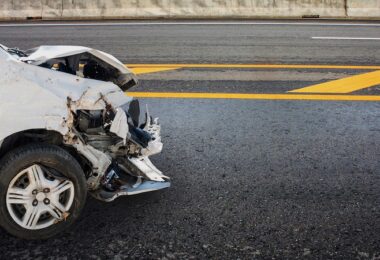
(82, 90)
(116, 149)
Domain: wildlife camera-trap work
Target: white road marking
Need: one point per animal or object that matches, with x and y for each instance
(41, 24)
(346, 38)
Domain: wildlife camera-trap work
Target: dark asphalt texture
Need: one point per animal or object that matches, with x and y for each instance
(209, 43)
(250, 179)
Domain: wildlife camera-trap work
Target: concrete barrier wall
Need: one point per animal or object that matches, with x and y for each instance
(19, 9)
(363, 8)
(135, 9)
(201, 8)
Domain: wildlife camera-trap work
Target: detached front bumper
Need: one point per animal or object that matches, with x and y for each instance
(143, 163)
(143, 175)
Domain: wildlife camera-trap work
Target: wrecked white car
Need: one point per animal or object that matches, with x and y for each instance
(67, 128)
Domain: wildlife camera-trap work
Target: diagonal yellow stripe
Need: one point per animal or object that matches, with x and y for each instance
(345, 85)
(258, 66)
(252, 96)
(145, 70)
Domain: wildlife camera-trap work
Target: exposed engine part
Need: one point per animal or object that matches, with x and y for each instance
(94, 121)
(121, 143)
(110, 179)
(90, 121)
(102, 142)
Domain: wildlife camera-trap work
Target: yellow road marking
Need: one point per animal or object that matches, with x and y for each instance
(345, 85)
(145, 70)
(255, 66)
(252, 96)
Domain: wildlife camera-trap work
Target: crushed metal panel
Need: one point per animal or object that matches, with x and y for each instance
(146, 166)
(99, 160)
(44, 53)
(142, 187)
(120, 125)
(23, 85)
(155, 146)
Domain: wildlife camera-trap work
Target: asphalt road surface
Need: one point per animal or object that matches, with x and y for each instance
(251, 178)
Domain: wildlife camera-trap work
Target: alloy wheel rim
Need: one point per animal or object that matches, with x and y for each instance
(37, 199)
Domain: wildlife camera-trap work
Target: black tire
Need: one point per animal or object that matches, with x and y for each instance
(50, 156)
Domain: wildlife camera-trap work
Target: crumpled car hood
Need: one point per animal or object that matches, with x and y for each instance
(44, 53)
(32, 97)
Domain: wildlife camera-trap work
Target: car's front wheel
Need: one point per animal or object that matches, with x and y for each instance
(42, 191)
